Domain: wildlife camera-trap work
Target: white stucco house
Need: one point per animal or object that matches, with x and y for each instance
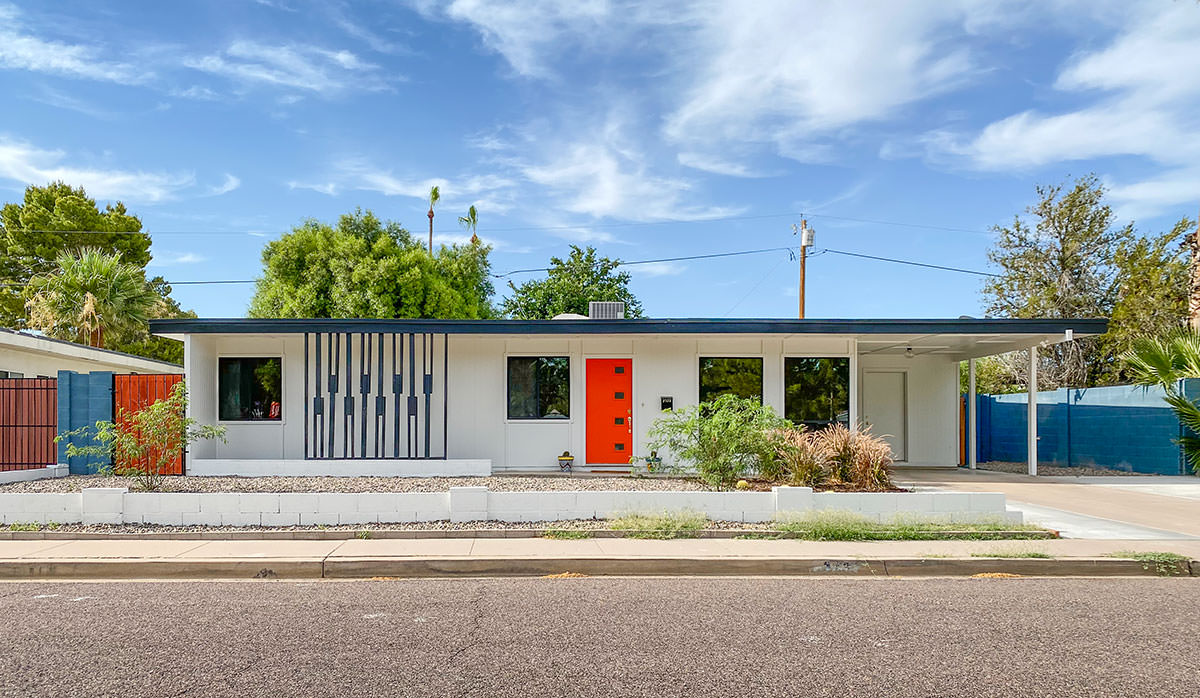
(27, 355)
(416, 397)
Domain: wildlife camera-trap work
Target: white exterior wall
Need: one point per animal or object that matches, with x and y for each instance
(932, 404)
(663, 365)
(33, 356)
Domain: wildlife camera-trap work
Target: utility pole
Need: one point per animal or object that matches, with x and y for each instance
(807, 236)
(1194, 286)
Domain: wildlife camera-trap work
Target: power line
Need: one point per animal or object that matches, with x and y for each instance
(656, 261)
(628, 224)
(911, 263)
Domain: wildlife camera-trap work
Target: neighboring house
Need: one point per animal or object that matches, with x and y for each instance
(24, 355)
(476, 396)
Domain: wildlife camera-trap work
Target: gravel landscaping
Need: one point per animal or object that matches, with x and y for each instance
(1059, 470)
(496, 483)
(574, 525)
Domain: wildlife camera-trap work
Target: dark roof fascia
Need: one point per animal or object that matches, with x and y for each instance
(113, 352)
(1082, 326)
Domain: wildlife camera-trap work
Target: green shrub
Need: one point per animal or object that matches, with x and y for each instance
(1164, 564)
(144, 444)
(724, 439)
(664, 526)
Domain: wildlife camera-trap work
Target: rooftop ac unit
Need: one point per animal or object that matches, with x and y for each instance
(606, 310)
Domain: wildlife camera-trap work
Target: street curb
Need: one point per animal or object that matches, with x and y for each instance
(416, 534)
(433, 567)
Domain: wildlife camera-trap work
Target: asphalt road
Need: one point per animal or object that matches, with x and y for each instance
(652, 637)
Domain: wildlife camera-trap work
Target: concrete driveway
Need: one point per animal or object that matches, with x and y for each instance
(1130, 508)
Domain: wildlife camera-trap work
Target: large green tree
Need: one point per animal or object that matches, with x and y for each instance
(53, 219)
(570, 285)
(364, 267)
(1074, 260)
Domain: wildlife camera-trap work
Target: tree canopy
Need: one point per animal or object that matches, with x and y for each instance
(570, 285)
(364, 267)
(53, 219)
(1074, 261)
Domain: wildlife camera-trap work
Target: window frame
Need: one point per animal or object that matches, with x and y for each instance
(282, 389)
(762, 388)
(851, 382)
(569, 419)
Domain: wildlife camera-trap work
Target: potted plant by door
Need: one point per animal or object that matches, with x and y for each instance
(565, 461)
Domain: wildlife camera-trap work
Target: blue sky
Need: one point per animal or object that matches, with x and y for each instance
(649, 130)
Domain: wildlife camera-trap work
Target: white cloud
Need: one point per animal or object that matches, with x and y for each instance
(24, 51)
(290, 66)
(716, 165)
(167, 258)
(657, 269)
(357, 173)
(25, 164)
(1140, 95)
(195, 92)
(530, 34)
(225, 187)
(784, 72)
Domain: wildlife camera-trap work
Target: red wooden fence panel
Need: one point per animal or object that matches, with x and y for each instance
(133, 392)
(28, 423)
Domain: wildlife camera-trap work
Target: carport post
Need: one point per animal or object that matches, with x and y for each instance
(972, 425)
(1032, 436)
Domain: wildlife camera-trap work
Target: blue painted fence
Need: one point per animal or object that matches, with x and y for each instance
(1120, 427)
(83, 400)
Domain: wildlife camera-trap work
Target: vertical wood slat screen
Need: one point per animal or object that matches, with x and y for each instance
(375, 396)
(28, 423)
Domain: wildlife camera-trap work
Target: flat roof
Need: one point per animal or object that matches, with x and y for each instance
(988, 326)
(27, 341)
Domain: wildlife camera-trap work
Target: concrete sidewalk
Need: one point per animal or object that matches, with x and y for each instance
(1143, 508)
(534, 556)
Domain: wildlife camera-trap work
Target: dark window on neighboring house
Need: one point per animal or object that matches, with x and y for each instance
(11, 374)
(249, 389)
(816, 390)
(539, 387)
(731, 376)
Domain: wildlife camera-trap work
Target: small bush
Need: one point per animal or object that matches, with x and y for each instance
(724, 439)
(843, 526)
(664, 526)
(1164, 564)
(801, 456)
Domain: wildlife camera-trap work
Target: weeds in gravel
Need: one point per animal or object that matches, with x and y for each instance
(1164, 564)
(664, 526)
(363, 535)
(842, 526)
(566, 534)
(24, 527)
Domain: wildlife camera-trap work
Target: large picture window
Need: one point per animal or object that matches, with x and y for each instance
(249, 389)
(816, 391)
(539, 387)
(730, 376)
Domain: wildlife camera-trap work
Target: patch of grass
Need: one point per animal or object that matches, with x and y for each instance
(846, 526)
(24, 527)
(363, 535)
(1015, 553)
(1164, 564)
(665, 526)
(566, 534)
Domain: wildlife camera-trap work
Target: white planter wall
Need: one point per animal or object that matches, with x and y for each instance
(118, 505)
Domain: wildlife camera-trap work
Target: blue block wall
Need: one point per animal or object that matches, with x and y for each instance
(1119, 427)
(83, 400)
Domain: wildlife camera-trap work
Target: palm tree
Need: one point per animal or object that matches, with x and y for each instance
(1165, 362)
(470, 221)
(434, 197)
(90, 296)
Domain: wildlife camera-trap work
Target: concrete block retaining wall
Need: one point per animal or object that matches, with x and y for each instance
(246, 467)
(118, 505)
(10, 476)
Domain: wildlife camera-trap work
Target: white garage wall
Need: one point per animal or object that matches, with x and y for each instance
(932, 437)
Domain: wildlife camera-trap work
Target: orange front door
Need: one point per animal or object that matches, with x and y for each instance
(609, 411)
